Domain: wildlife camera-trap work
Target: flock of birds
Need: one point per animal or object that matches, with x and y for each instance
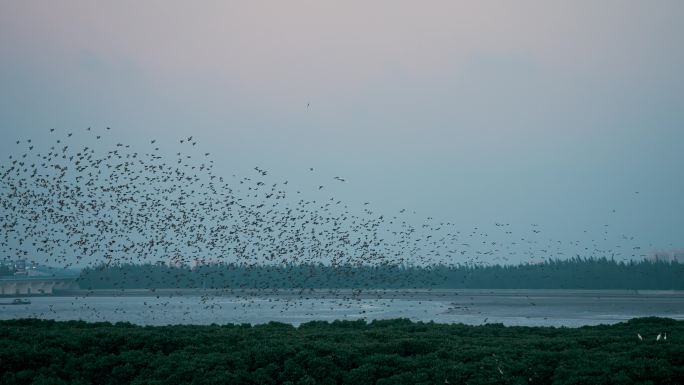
(86, 201)
(122, 205)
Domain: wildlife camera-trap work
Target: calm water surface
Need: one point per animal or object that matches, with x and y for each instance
(511, 307)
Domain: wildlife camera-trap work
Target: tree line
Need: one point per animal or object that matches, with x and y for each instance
(575, 273)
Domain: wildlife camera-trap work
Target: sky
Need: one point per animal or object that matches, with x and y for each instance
(564, 114)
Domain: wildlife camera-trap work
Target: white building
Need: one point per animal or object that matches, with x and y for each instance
(676, 255)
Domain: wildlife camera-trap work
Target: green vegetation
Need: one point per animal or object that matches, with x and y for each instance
(341, 352)
(567, 274)
(5, 271)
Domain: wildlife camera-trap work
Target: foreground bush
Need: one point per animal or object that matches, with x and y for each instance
(342, 352)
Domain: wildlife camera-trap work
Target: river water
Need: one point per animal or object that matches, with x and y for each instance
(570, 308)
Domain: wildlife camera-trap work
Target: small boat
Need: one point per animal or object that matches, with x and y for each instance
(18, 301)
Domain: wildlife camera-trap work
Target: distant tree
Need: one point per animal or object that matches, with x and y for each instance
(5, 270)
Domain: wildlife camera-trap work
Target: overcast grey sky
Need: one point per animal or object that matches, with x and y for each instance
(548, 112)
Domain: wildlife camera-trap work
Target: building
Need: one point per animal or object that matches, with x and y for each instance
(676, 255)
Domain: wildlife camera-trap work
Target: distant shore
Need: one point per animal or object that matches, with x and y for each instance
(414, 294)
